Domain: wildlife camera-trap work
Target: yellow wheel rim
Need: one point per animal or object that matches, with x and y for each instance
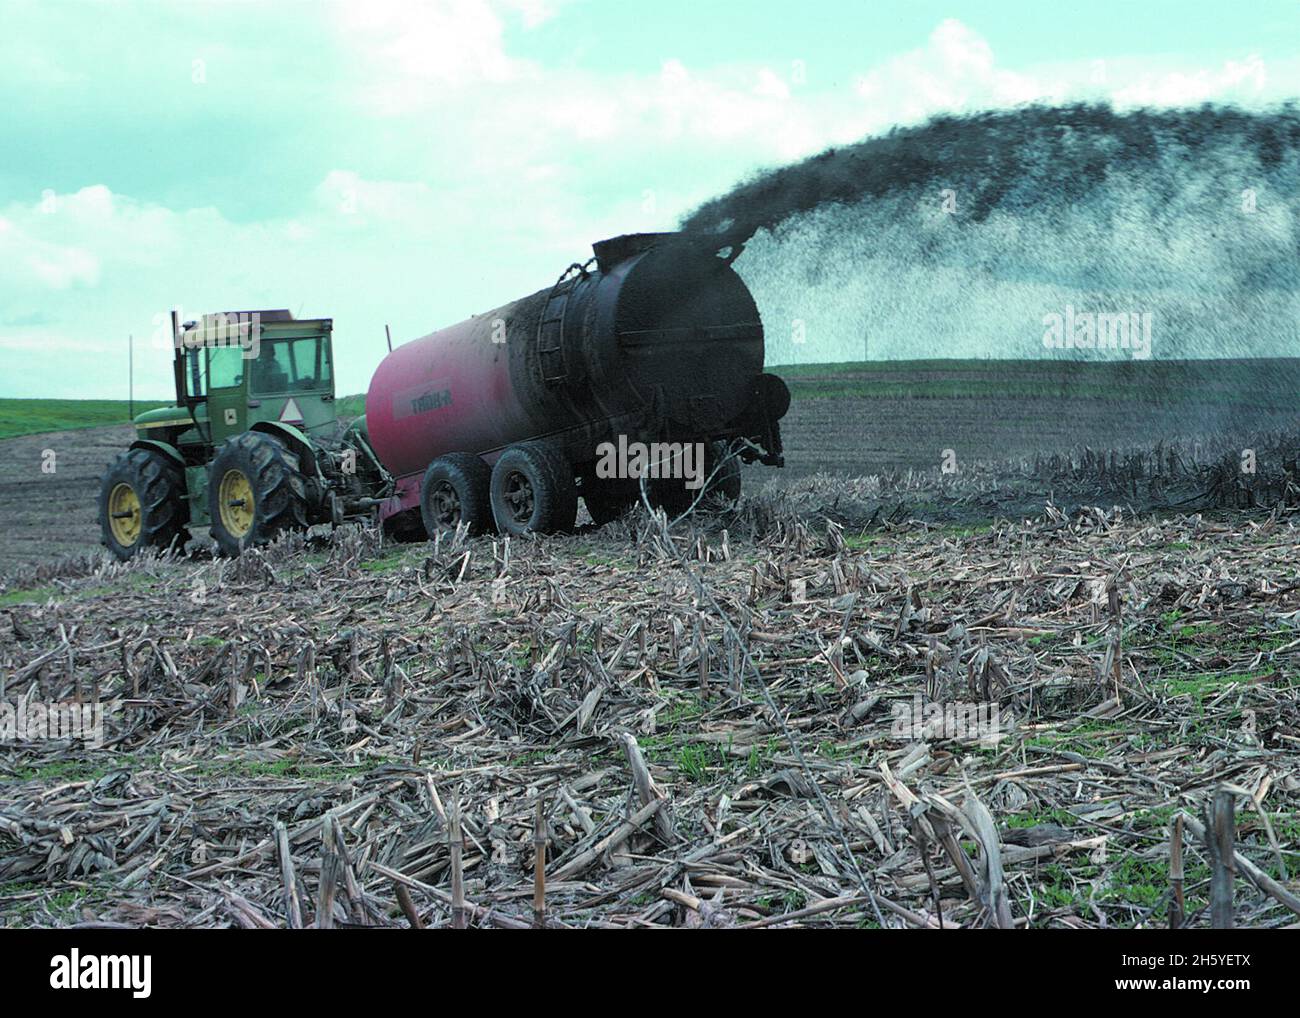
(124, 515)
(235, 500)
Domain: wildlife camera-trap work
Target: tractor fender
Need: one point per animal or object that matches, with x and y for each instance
(167, 450)
(296, 440)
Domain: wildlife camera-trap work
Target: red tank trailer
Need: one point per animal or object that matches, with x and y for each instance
(503, 418)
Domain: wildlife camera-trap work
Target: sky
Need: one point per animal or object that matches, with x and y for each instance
(412, 164)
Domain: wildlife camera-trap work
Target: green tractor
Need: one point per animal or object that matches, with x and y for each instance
(252, 448)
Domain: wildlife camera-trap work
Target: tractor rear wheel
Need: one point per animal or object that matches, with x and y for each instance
(533, 490)
(255, 492)
(142, 503)
(456, 489)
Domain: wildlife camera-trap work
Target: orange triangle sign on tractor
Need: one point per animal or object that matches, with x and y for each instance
(291, 414)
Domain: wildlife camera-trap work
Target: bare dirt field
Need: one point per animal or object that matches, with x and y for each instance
(862, 436)
(45, 515)
(838, 423)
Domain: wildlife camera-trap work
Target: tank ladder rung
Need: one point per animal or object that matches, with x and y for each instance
(550, 330)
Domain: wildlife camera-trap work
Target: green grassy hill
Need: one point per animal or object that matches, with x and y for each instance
(351, 406)
(34, 416)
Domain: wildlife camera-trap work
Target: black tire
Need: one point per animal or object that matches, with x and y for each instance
(671, 495)
(675, 498)
(405, 527)
(607, 500)
(533, 490)
(277, 487)
(156, 500)
(456, 488)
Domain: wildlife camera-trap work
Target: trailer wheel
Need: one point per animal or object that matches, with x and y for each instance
(607, 500)
(456, 489)
(255, 492)
(533, 490)
(142, 504)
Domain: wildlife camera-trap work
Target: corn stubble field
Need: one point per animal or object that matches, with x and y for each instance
(700, 725)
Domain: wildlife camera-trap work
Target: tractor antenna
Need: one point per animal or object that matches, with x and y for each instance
(390, 337)
(130, 376)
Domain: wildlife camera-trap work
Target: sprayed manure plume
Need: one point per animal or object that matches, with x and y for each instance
(974, 237)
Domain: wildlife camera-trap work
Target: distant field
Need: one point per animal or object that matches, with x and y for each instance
(1260, 382)
(33, 416)
(1271, 383)
(864, 417)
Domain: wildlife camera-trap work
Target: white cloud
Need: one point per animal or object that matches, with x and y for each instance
(414, 60)
(344, 196)
(364, 251)
(954, 71)
(31, 261)
(415, 54)
(1236, 79)
(533, 12)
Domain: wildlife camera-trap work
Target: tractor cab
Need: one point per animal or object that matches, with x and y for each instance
(247, 367)
(236, 369)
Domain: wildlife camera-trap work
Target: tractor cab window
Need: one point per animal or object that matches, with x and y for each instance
(225, 367)
(291, 365)
(220, 367)
(196, 372)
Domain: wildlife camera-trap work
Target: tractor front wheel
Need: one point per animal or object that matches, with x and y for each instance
(255, 492)
(142, 504)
